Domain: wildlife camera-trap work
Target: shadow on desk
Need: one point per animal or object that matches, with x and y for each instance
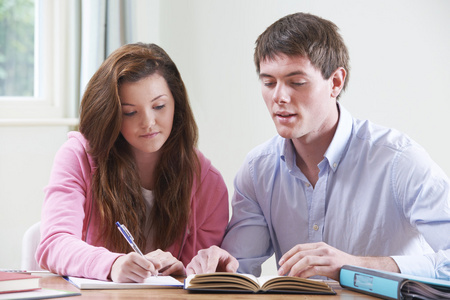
(58, 283)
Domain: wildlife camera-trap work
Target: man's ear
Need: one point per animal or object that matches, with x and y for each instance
(337, 80)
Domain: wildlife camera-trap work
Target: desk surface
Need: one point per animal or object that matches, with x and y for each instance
(58, 283)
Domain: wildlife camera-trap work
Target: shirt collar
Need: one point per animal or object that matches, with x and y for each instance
(340, 140)
(288, 154)
(337, 146)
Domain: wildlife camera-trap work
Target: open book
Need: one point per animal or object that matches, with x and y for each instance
(246, 283)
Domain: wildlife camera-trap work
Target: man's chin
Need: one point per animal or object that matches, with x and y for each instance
(285, 134)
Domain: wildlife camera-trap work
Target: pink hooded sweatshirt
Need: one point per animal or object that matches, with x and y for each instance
(69, 221)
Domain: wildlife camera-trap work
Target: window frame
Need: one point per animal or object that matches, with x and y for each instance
(56, 63)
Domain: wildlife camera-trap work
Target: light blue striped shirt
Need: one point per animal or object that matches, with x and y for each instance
(378, 194)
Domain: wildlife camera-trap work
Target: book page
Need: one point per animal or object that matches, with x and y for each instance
(222, 280)
(293, 283)
(232, 282)
(263, 279)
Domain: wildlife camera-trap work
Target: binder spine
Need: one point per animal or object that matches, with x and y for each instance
(370, 284)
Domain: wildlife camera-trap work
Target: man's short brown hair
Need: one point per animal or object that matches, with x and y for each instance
(302, 34)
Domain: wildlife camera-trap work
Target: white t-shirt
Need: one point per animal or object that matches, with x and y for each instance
(149, 201)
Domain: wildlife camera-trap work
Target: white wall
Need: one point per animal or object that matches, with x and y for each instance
(26, 155)
(399, 78)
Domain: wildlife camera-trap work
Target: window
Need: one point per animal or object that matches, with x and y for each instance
(17, 48)
(38, 59)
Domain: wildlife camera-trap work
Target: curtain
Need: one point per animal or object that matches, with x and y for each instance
(85, 32)
(105, 25)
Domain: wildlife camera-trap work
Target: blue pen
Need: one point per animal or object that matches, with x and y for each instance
(127, 235)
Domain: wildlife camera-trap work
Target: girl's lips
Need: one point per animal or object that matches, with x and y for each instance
(149, 135)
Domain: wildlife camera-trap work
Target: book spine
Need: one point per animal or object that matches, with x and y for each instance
(370, 284)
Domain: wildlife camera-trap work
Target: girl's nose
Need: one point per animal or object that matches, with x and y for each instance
(148, 120)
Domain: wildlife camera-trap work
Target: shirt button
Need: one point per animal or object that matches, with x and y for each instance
(334, 165)
(316, 227)
(307, 184)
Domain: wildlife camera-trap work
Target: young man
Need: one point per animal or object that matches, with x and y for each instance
(330, 189)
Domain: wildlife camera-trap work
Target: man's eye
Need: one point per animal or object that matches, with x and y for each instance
(298, 83)
(268, 83)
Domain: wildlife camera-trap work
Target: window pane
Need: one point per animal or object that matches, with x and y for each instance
(17, 48)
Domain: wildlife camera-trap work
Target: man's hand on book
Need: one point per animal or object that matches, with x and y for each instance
(213, 259)
(306, 260)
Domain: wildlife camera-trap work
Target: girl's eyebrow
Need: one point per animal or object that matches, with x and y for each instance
(154, 99)
(157, 97)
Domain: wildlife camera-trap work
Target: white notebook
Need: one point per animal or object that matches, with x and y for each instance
(150, 283)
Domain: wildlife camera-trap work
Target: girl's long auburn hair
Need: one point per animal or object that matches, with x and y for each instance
(116, 187)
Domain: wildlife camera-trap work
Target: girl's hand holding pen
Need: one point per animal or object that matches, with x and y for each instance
(168, 265)
(133, 268)
(136, 268)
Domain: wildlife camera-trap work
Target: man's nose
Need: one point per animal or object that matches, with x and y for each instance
(281, 95)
